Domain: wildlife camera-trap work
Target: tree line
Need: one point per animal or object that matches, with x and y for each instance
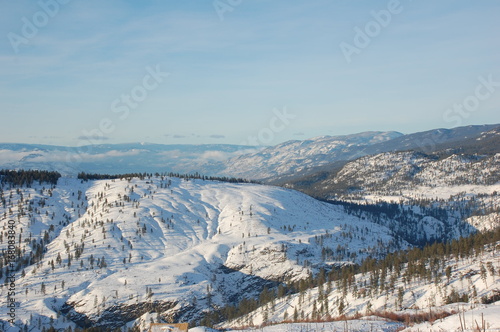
(27, 177)
(93, 176)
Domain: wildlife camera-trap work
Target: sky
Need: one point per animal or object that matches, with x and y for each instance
(254, 72)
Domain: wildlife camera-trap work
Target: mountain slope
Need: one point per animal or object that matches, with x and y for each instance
(293, 159)
(433, 284)
(105, 252)
(392, 172)
(467, 186)
(463, 177)
(298, 156)
(432, 140)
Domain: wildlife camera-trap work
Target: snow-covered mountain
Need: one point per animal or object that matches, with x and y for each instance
(404, 171)
(106, 252)
(461, 177)
(294, 159)
(467, 185)
(298, 156)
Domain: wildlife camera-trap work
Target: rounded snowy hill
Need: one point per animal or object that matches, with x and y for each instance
(117, 249)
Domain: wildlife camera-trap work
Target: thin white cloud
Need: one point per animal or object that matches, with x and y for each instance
(216, 155)
(171, 154)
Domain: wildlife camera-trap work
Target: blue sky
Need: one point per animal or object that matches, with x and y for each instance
(225, 68)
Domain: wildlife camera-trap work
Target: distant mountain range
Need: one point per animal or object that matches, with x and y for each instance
(275, 164)
(295, 159)
(443, 168)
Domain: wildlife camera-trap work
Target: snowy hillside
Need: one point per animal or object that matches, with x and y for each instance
(457, 163)
(468, 318)
(451, 293)
(106, 252)
(402, 175)
(404, 170)
(467, 187)
(297, 156)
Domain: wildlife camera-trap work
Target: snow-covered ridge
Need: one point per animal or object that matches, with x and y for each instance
(301, 158)
(402, 170)
(466, 184)
(296, 156)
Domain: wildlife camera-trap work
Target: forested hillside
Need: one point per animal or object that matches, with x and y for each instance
(413, 287)
(105, 252)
